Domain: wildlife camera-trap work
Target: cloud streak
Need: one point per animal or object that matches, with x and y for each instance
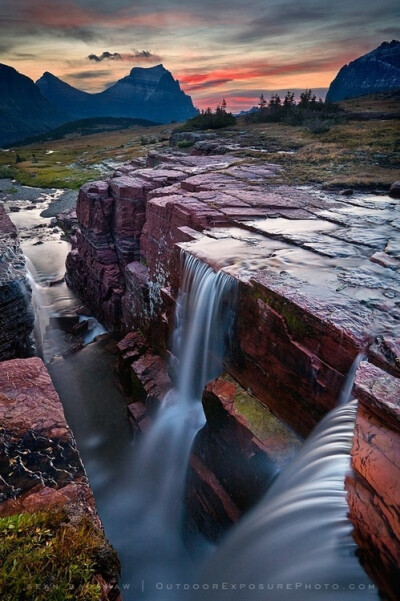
(141, 55)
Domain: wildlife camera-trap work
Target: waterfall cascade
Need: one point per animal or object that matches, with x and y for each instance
(153, 547)
(297, 542)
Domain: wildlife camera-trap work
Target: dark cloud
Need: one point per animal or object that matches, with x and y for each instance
(117, 56)
(88, 74)
(25, 55)
(84, 34)
(106, 56)
(206, 84)
(299, 19)
(283, 18)
(5, 47)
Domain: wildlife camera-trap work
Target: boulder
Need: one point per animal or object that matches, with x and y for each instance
(394, 191)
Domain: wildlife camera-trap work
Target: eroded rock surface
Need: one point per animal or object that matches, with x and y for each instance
(40, 467)
(374, 490)
(16, 312)
(318, 283)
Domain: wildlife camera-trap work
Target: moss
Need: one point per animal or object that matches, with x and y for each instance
(261, 422)
(45, 557)
(185, 143)
(294, 318)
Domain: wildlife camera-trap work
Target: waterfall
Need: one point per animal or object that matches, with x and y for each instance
(297, 542)
(153, 548)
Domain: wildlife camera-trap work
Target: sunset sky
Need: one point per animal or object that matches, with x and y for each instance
(216, 48)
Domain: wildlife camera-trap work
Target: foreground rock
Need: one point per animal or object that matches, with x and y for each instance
(40, 467)
(374, 490)
(16, 311)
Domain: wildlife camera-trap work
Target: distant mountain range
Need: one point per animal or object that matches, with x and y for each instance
(23, 109)
(28, 109)
(377, 71)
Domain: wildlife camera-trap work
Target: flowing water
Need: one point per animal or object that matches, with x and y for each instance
(153, 550)
(296, 543)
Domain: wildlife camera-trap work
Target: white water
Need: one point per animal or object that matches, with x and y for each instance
(153, 549)
(297, 544)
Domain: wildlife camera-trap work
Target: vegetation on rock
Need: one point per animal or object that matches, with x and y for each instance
(46, 557)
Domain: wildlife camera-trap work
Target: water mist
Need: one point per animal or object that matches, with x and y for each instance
(297, 544)
(153, 547)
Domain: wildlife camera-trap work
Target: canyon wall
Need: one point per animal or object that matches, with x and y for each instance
(16, 311)
(318, 284)
(374, 488)
(40, 467)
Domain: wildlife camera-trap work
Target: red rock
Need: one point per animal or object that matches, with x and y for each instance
(40, 465)
(209, 508)
(385, 260)
(374, 491)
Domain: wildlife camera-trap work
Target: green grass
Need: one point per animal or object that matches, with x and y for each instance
(361, 154)
(73, 160)
(355, 153)
(44, 557)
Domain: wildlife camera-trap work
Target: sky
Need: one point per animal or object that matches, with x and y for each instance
(232, 49)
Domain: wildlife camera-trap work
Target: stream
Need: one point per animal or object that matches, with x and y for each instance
(300, 525)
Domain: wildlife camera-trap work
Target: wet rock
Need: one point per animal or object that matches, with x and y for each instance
(36, 445)
(243, 444)
(394, 191)
(83, 310)
(374, 490)
(317, 282)
(56, 282)
(347, 192)
(385, 260)
(16, 312)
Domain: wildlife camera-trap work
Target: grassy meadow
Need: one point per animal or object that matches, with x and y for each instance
(361, 151)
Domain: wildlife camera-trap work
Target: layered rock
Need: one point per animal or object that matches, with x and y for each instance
(16, 312)
(374, 489)
(40, 467)
(318, 283)
(284, 246)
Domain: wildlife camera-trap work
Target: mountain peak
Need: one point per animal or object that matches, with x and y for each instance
(6, 68)
(391, 44)
(153, 74)
(374, 72)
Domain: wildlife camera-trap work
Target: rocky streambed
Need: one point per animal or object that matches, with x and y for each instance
(318, 282)
(41, 472)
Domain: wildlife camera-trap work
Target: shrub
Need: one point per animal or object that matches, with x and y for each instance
(318, 125)
(185, 143)
(211, 120)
